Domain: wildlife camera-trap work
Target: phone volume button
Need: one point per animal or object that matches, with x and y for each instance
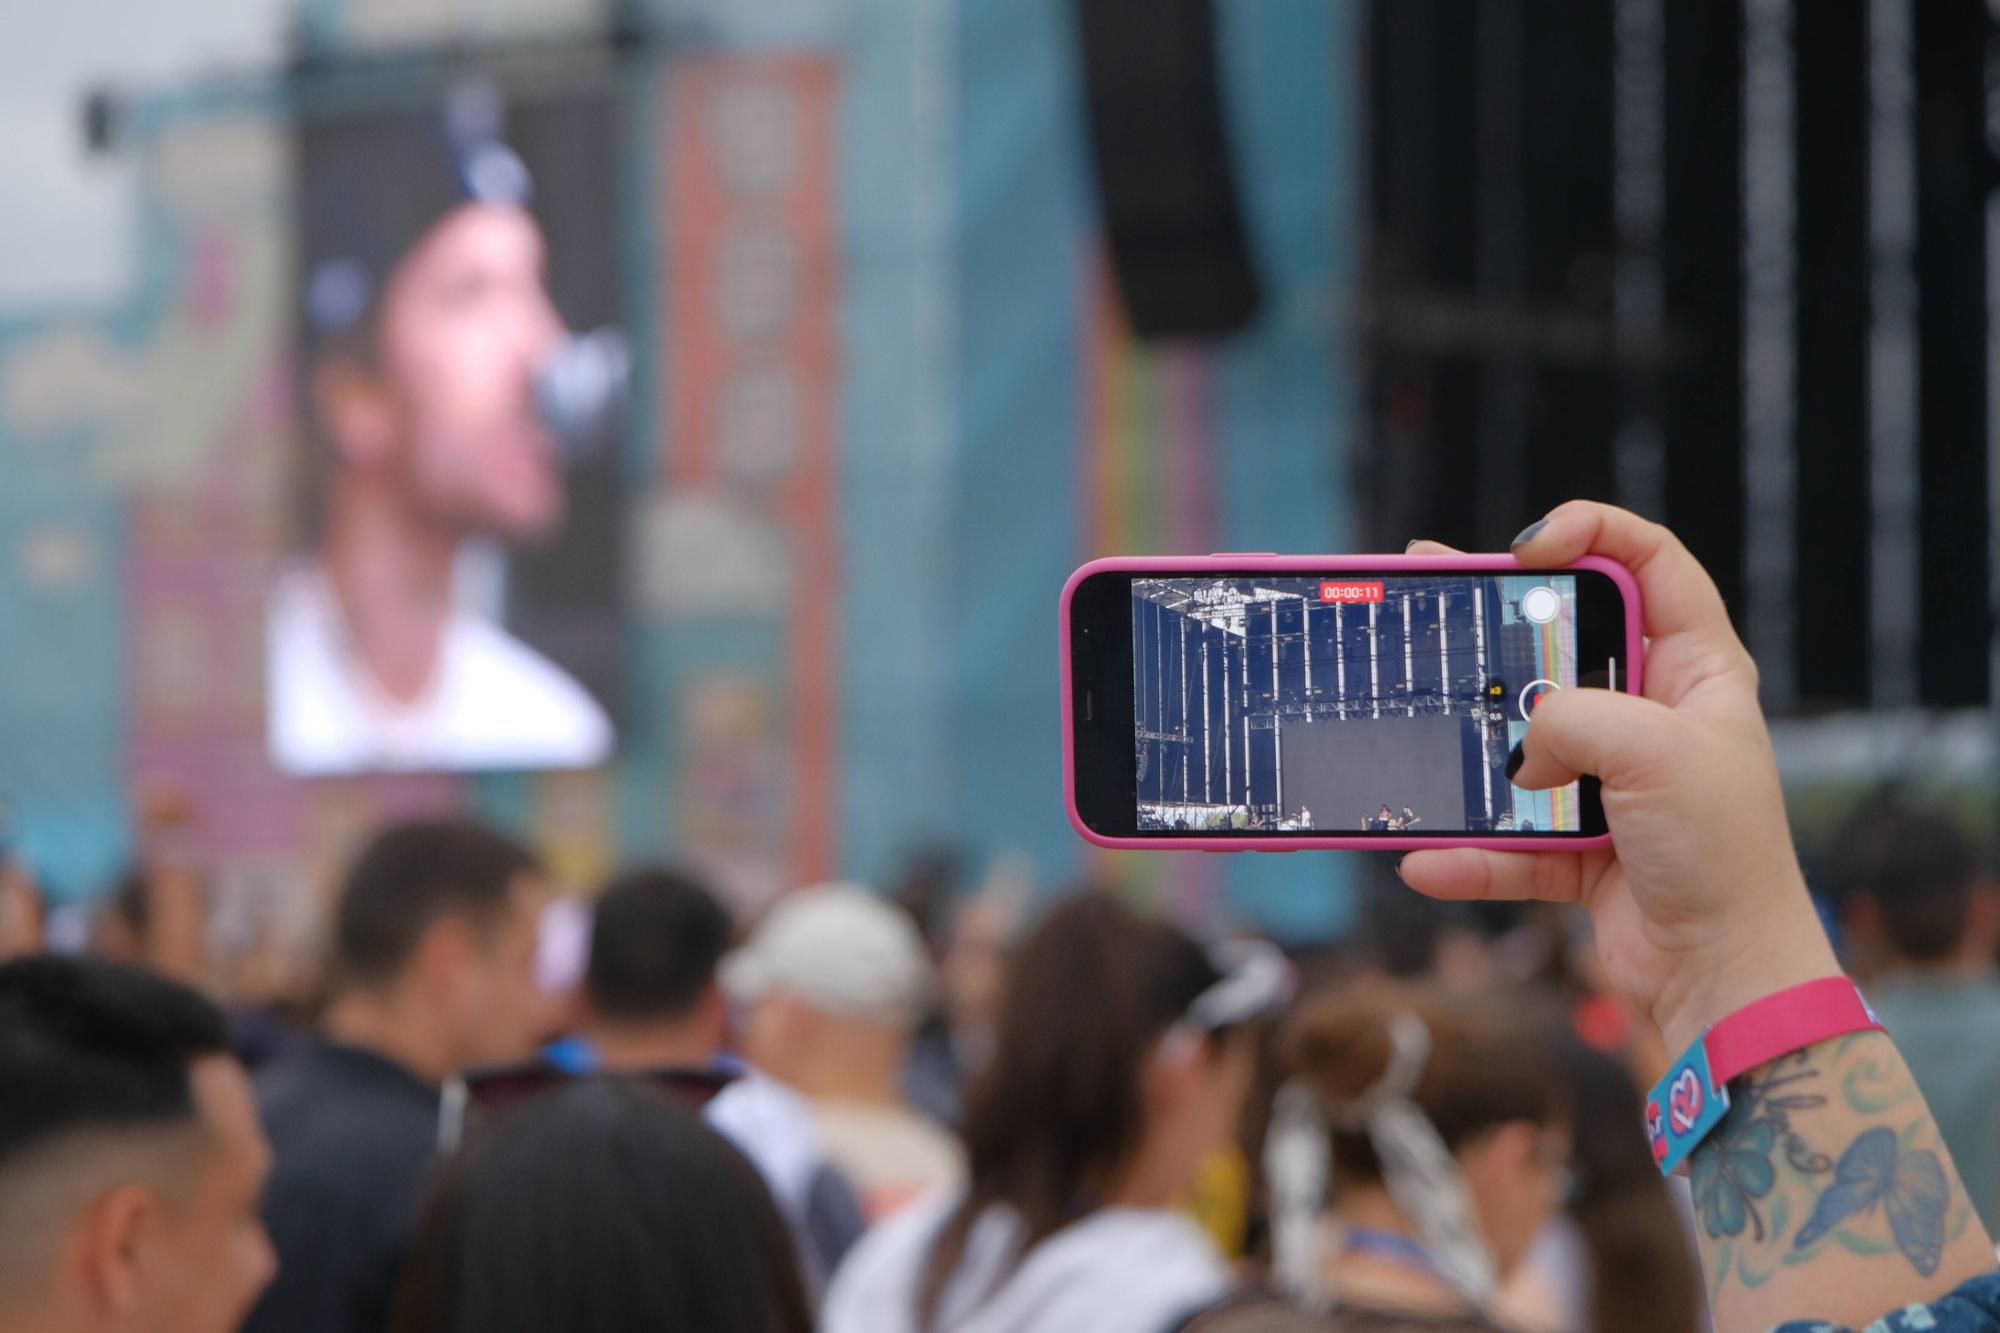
(1242, 555)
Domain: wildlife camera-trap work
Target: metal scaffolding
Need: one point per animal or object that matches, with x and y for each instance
(1218, 633)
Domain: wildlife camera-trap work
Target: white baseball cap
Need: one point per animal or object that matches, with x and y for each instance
(839, 948)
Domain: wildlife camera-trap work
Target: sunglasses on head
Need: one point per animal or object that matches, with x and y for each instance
(485, 1095)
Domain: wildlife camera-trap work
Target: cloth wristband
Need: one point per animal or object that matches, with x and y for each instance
(1694, 1096)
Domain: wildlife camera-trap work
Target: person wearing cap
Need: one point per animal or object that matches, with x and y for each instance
(427, 322)
(832, 986)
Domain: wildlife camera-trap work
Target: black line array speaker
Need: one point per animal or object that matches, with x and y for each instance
(1498, 378)
(1173, 218)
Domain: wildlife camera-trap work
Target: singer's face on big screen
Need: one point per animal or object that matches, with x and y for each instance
(464, 324)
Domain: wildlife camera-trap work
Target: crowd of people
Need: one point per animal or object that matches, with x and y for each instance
(937, 1111)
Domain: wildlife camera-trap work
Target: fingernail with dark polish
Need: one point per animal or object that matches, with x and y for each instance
(1527, 534)
(1515, 757)
(1399, 867)
(1411, 543)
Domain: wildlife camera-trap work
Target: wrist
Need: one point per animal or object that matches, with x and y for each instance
(1756, 959)
(1694, 1095)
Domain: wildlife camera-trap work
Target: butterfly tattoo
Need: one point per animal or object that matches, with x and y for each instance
(1908, 1184)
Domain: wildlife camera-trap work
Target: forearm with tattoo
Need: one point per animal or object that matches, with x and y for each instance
(1826, 1182)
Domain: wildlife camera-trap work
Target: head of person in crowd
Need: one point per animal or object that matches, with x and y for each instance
(601, 1208)
(23, 915)
(650, 997)
(1641, 1272)
(121, 928)
(927, 887)
(1450, 943)
(832, 984)
(1431, 1130)
(984, 931)
(156, 916)
(434, 949)
(130, 1156)
(1914, 895)
(930, 888)
(1105, 1092)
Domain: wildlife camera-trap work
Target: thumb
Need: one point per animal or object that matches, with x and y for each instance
(1608, 734)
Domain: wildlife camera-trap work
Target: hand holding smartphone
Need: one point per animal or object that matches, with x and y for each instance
(1272, 703)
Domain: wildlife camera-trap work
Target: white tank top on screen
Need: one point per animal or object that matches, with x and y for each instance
(494, 703)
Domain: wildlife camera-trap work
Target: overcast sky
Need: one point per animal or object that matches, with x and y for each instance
(66, 220)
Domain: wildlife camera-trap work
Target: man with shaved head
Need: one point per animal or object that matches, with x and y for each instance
(130, 1156)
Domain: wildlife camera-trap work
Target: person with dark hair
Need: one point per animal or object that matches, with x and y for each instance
(1426, 1136)
(130, 1156)
(603, 1207)
(656, 938)
(23, 915)
(433, 958)
(1924, 923)
(1123, 1059)
(1640, 1270)
(155, 917)
(652, 1004)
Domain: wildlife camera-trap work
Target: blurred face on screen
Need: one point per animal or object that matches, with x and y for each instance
(464, 323)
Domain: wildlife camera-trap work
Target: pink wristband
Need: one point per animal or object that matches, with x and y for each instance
(1788, 1021)
(1692, 1099)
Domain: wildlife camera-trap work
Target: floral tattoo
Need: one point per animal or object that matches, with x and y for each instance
(1739, 1167)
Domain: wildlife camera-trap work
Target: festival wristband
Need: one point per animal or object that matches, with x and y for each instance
(1694, 1096)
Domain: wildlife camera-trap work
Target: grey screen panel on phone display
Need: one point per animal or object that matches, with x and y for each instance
(1337, 704)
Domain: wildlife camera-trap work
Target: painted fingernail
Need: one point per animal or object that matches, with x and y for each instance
(1399, 867)
(1515, 758)
(1527, 534)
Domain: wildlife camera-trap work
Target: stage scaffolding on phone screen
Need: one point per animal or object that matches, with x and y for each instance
(1220, 672)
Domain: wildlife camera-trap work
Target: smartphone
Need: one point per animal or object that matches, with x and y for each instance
(1274, 703)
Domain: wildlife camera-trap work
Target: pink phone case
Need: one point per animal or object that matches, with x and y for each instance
(1298, 564)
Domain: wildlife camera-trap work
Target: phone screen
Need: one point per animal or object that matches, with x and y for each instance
(1347, 704)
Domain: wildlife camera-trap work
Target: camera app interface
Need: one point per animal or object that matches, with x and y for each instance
(1348, 704)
